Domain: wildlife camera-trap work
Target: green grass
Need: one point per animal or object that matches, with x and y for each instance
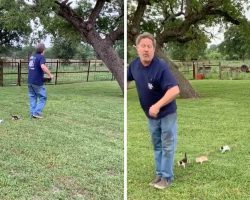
(220, 116)
(75, 152)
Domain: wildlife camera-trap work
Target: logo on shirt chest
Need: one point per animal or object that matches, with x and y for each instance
(150, 86)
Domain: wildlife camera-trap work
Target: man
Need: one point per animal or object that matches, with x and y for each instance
(157, 90)
(37, 90)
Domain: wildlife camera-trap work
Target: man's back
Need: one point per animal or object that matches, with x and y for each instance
(35, 71)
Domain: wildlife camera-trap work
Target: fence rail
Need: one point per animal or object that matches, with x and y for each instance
(16, 73)
(200, 70)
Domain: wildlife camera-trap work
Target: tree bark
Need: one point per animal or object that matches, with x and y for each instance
(107, 54)
(186, 90)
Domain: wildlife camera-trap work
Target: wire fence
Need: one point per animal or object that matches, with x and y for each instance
(16, 72)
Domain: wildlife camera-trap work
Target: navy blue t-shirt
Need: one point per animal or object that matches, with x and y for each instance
(35, 71)
(152, 82)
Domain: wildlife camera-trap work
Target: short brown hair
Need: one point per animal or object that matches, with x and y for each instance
(145, 35)
(40, 47)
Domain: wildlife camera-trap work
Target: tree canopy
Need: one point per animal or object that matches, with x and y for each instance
(14, 24)
(236, 44)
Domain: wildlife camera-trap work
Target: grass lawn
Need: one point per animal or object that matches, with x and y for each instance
(75, 152)
(220, 116)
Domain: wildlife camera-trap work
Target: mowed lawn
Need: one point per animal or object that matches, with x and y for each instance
(220, 116)
(75, 152)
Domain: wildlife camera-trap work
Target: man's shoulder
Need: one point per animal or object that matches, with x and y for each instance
(134, 62)
(161, 62)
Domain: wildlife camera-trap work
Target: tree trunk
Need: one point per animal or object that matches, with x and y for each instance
(107, 54)
(186, 90)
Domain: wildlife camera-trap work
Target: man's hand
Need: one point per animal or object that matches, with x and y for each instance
(154, 110)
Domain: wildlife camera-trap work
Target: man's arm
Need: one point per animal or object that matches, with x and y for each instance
(169, 96)
(46, 70)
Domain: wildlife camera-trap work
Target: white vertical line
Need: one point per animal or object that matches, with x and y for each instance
(125, 99)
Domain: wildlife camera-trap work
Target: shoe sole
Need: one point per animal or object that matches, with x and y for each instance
(160, 188)
(37, 117)
(152, 184)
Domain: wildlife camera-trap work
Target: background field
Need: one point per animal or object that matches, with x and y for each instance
(75, 152)
(220, 116)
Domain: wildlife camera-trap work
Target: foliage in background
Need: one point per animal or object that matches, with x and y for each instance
(212, 53)
(63, 48)
(236, 44)
(84, 52)
(14, 25)
(194, 49)
(119, 48)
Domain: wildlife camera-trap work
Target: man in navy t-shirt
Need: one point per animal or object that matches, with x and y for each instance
(37, 90)
(157, 89)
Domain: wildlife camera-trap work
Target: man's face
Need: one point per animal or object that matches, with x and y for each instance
(145, 50)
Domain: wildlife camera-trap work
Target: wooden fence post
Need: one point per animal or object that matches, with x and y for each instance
(204, 68)
(193, 70)
(19, 73)
(220, 71)
(57, 64)
(88, 72)
(1, 72)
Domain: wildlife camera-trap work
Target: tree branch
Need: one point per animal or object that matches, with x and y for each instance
(226, 16)
(96, 11)
(194, 17)
(70, 15)
(116, 34)
(134, 27)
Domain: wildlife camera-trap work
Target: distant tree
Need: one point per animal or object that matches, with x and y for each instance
(63, 48)
(25, 52)
(236, 44)
(194, 49)
(212, 53)
(84, 52)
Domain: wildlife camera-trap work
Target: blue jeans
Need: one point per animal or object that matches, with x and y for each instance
(164, 137)
(37, 97)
